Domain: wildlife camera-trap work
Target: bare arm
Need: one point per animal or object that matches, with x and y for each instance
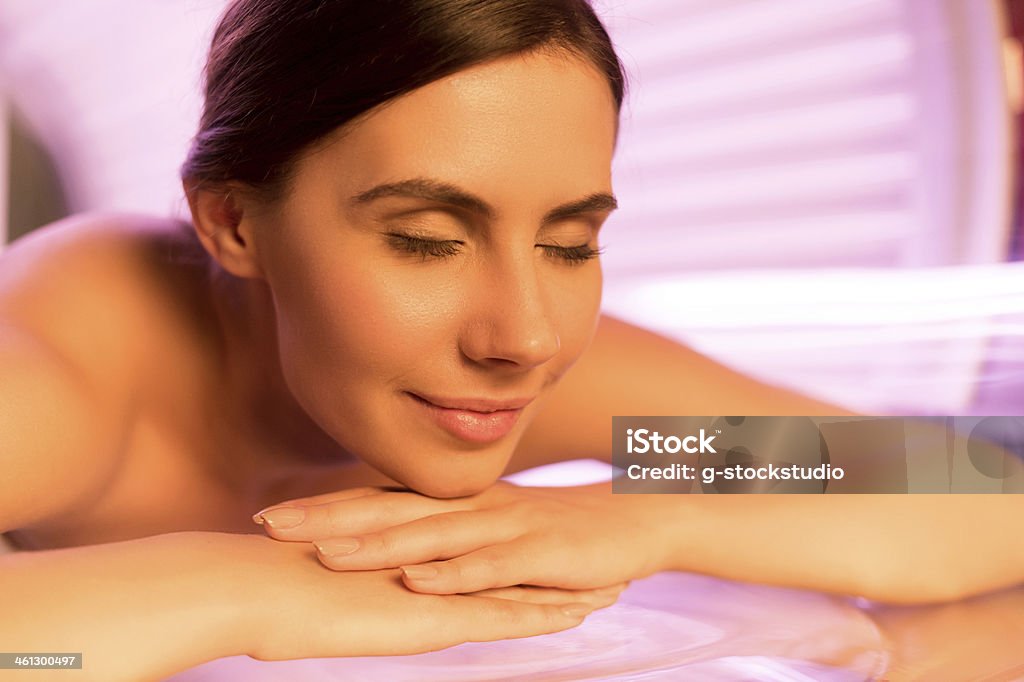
(143, 609)
(135, 610)
(900, 549)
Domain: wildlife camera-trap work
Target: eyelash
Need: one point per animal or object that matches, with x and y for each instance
(431, 248)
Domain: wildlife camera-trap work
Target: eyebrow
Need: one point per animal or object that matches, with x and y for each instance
(447, 193)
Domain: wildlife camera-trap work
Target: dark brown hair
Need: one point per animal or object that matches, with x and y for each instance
(282, 74)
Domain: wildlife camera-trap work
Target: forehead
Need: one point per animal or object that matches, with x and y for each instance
(546, 118)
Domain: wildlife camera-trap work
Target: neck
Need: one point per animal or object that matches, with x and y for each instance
(276, 439)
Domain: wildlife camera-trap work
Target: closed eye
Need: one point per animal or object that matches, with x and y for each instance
(427, 248)
(573, 255)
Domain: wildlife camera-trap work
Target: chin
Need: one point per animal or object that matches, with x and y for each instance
(449, 488)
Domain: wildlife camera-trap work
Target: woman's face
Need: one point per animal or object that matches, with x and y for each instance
(437, 256)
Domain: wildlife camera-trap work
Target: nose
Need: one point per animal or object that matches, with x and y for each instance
(512, 322)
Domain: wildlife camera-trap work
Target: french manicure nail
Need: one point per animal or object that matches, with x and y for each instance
(258, 516)
(283, 517)
(419, 572)
(337, 546)
(576, 610)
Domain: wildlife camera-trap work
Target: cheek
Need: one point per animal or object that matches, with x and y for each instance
(344, 322)
(577, 308)
(351, 336)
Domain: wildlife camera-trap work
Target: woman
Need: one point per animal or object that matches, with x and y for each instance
(390, 279)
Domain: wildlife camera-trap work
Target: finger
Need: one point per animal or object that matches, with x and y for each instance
(495, 619)
(440, 536)
(336, 496)
(598, 598)
(489, 567)
(604, 596)
(363, 514)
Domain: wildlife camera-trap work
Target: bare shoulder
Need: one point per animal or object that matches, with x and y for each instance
(80, 319)
(95, 288)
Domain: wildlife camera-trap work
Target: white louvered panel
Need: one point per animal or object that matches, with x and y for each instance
(759, 113)
(873, 121)
(727, 29)
(813, 182)
(736, 124)
(802, 242)
(775, 78)
(802, 214)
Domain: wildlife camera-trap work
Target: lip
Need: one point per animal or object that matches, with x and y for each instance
(475, 404)
(482, 425)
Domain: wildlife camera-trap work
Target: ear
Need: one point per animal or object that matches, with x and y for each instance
(225, 227)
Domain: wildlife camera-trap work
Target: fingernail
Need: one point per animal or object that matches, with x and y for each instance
(283, 517)
(258, 516)
(337, 546)
(576, 610)
(419, 572)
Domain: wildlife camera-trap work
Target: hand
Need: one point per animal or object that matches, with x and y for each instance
(572, 538)
(295, 609)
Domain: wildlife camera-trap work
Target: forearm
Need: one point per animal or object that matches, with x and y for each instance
(136, 610)
(891, 548)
